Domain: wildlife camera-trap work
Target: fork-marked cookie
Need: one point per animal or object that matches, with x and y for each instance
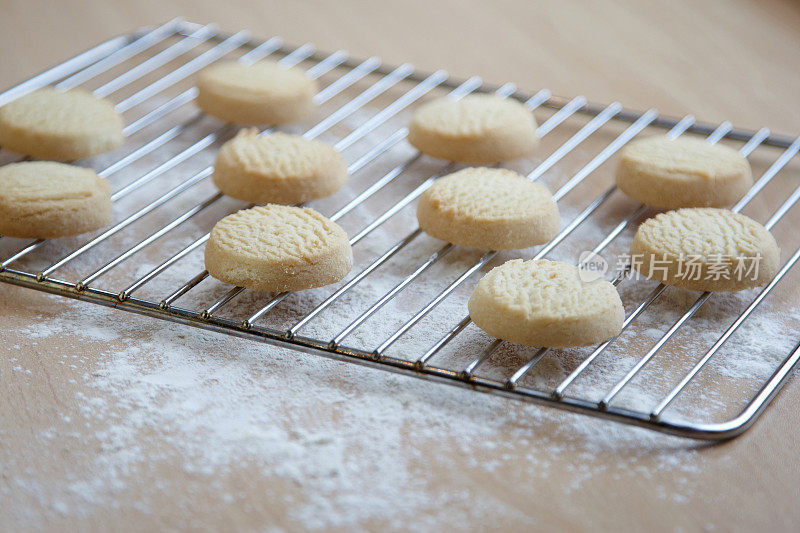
(683, 172)
(489, 209)
(44, 200)
(64, 126)
(478, 129)
(278, 168)
(261, 93)
(705, 249)
(545, 303)
(278, 248)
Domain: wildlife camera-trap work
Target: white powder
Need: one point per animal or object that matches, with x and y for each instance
(215, 405)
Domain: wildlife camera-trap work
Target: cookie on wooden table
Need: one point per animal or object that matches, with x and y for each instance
(545, 303)
(278, 248)
(278, 168)
(683, 172)
(705, 249)
(478, 129)
(264, 93)
(489, 209)
(44, 200)
(64, 126)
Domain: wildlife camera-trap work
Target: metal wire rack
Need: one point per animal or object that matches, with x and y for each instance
(163, 219)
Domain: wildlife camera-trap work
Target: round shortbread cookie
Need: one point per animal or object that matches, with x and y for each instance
(489, 209)
(683, 172)
(278, 248)
(545, 303)
(261, 93)
(705, 249)
(64, 126)
(278, 168)
(478, 129)
(44, 200)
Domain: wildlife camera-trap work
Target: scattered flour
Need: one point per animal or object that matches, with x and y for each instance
(349, 437)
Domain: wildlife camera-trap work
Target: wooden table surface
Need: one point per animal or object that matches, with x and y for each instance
(734, 60)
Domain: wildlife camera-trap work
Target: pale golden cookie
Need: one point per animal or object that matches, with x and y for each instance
(683, 172)
(50, 124)
(545, 303)
(478, 129)
(44, 200)
(490, 209)
(705, 249)
(261, 93)
(278, 248)
(278, 168)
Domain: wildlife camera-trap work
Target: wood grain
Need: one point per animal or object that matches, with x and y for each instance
(718, 59)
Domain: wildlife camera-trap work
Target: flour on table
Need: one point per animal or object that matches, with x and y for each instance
(216, 404)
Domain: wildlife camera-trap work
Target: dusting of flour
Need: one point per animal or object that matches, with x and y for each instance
(348, 436)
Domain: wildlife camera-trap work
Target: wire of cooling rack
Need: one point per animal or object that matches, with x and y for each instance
(178, 41)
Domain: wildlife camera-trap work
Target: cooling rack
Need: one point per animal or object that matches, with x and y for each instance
(403, 307)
